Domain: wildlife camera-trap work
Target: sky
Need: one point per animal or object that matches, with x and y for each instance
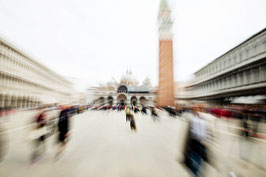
(92, 41)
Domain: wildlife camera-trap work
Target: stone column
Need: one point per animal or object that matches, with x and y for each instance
(9, 100)
(19, 102)
(2, 103)
(24, 102)
(28, 101)
(14, 101)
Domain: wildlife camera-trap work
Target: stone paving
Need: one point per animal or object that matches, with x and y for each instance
(102, 144)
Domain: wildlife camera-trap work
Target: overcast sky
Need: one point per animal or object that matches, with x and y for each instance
(91, 41)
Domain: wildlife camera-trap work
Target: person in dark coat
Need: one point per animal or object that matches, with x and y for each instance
(63, 129)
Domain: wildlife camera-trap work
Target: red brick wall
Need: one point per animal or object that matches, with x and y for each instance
(165, 93)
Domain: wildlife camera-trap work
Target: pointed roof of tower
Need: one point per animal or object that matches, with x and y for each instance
(164, 5)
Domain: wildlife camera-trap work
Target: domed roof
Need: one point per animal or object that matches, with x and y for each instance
(128, 79)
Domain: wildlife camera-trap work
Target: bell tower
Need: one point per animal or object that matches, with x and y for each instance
(165, 92)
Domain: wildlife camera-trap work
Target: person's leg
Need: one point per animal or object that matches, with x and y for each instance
(60, 144)
(35, 152)
(131, 124)
(61, 149)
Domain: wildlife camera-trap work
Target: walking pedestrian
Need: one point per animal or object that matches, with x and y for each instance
(63, 130)
(154, 114)
(132, 122)
(3, 141)
(127, 111)
(39, 134)
(196, 151)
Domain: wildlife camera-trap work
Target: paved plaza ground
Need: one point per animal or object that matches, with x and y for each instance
(102, 144)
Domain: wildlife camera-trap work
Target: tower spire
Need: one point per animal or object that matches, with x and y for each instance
(164, 5)
(165, 22)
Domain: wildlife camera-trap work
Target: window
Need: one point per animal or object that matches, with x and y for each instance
(240, 56)
(248, 76)
(264, 45)
(255, 50)
(263, 72)
(247, 53)
(229, 81)
(255, 75)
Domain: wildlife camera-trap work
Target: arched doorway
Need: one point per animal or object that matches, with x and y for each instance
(122, 89)
(101, 100)
(110, 100)
(121, 99)
(142, 100)
(134, 101)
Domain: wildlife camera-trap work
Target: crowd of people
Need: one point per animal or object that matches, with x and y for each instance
(244, 120)
(46, 122)
(46, 126)
(135, 109)
(248, 116)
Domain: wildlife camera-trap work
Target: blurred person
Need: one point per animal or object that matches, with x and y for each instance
(256, 117)
(127, 111)
(39, 135)
(144, 110)
(170, 111)
(132, 122)
(154, 114)
(196, 150)
(3, 140)
(63, 130)
(53, 114)
(245, 127)
(136, 109)
(263, 113)
(245, 121)
(245, 143)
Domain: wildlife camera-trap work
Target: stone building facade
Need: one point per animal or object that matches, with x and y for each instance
(24, 82)
(239, 72)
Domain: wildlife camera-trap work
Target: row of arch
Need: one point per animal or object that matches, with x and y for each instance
(122, 100)
(18, 101)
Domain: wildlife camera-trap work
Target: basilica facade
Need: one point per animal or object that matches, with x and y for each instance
(126, 92)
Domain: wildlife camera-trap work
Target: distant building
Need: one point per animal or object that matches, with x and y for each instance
(91, 95)
(180, 93)
(126, 92)
(165, 92)
(24, 82)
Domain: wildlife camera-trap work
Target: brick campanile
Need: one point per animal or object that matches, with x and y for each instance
(165, 92)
